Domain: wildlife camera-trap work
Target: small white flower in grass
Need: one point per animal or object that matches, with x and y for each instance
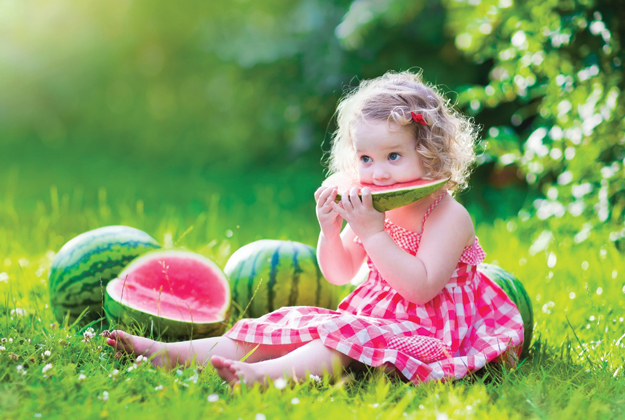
(130, 368)
(295, 401)
(114, 372)
(280, 383)
(179, 372)
(18, 312)
(46, 368)
(3, 339)
(213, 398)
(88, 335)
(10, 340)
(37, 414)
(2, 348)
(47, 353)
(158, 388)
(19, 367)
(105, 396)
(141, 359)
(260, 416)
(315, 378)
(81, 377)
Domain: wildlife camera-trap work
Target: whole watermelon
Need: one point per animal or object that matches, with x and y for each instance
(173, 294)
(516, 292)
(85, 264)
(268, 274)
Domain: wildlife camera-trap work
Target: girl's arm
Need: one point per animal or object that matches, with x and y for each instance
(417, 278)
(338, 255)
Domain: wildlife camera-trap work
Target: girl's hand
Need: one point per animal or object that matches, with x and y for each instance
(329, 220)
(364, 220)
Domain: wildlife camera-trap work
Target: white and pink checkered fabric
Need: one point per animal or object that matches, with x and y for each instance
(469, 323)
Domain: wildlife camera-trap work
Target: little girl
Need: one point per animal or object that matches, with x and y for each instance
(424, 312)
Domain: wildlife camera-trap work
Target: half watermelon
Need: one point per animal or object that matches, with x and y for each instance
(388, 197)
(175, 294)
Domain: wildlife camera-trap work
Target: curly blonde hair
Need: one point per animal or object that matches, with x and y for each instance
(445, 144)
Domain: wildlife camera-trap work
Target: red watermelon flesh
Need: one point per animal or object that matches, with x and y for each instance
(173, 284)
(388, 197)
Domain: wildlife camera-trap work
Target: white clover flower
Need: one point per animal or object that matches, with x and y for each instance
(105, 396)
(81, 377)
(260, 416)
(158, 388)
(47, 353)
(141, 359)
(130, 369)
(19, 367)
(280, 383)
(295, 401)
(18, 312)
(10, 340)
(213, 398)
(2, 348)
(315, 378)
(114, 372)
(37, 414)
(4, 277)
(3, 339)
(89, 333)
(46, 368)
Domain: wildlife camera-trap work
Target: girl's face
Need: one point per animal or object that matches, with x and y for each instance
(386, 157)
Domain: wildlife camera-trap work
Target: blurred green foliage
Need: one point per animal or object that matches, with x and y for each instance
(222, 87)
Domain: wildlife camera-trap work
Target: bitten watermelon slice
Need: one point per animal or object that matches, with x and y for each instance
(388, 197)
(176, 294)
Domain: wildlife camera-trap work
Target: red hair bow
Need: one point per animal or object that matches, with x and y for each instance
(418, 118)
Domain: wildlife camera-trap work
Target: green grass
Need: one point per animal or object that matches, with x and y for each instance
(575, 369)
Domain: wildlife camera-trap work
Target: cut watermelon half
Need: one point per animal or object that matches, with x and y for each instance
(388, 197)
(180, 293)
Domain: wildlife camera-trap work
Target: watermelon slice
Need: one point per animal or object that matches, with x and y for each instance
(176, 294)
(388, 197)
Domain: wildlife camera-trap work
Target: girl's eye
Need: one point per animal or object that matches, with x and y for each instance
(365, 159)
(394, 156)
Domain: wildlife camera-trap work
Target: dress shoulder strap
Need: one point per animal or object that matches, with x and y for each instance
(431, 208)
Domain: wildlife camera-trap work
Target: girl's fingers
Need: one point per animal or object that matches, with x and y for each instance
(319, 191)
(338, 209)
(345, 200)
(354, 198)
(323, 195)
(367, 198)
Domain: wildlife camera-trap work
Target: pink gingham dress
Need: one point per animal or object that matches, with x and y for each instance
(469, 323)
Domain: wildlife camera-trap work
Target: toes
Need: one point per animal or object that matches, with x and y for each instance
(218, 362)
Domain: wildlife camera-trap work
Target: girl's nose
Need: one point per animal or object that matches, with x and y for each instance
(380, 174)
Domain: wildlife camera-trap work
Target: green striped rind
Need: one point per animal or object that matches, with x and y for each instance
(290, 277)
(84, 265)
(385, 201)
(159, 326)
(515, 290)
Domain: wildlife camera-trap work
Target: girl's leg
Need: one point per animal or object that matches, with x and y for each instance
(312, 358)
(181, 353)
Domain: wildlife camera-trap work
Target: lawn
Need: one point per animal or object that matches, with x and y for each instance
(575, 367)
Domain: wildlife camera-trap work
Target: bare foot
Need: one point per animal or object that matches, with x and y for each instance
(154, 350)
(223, 368)
(248, 373)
